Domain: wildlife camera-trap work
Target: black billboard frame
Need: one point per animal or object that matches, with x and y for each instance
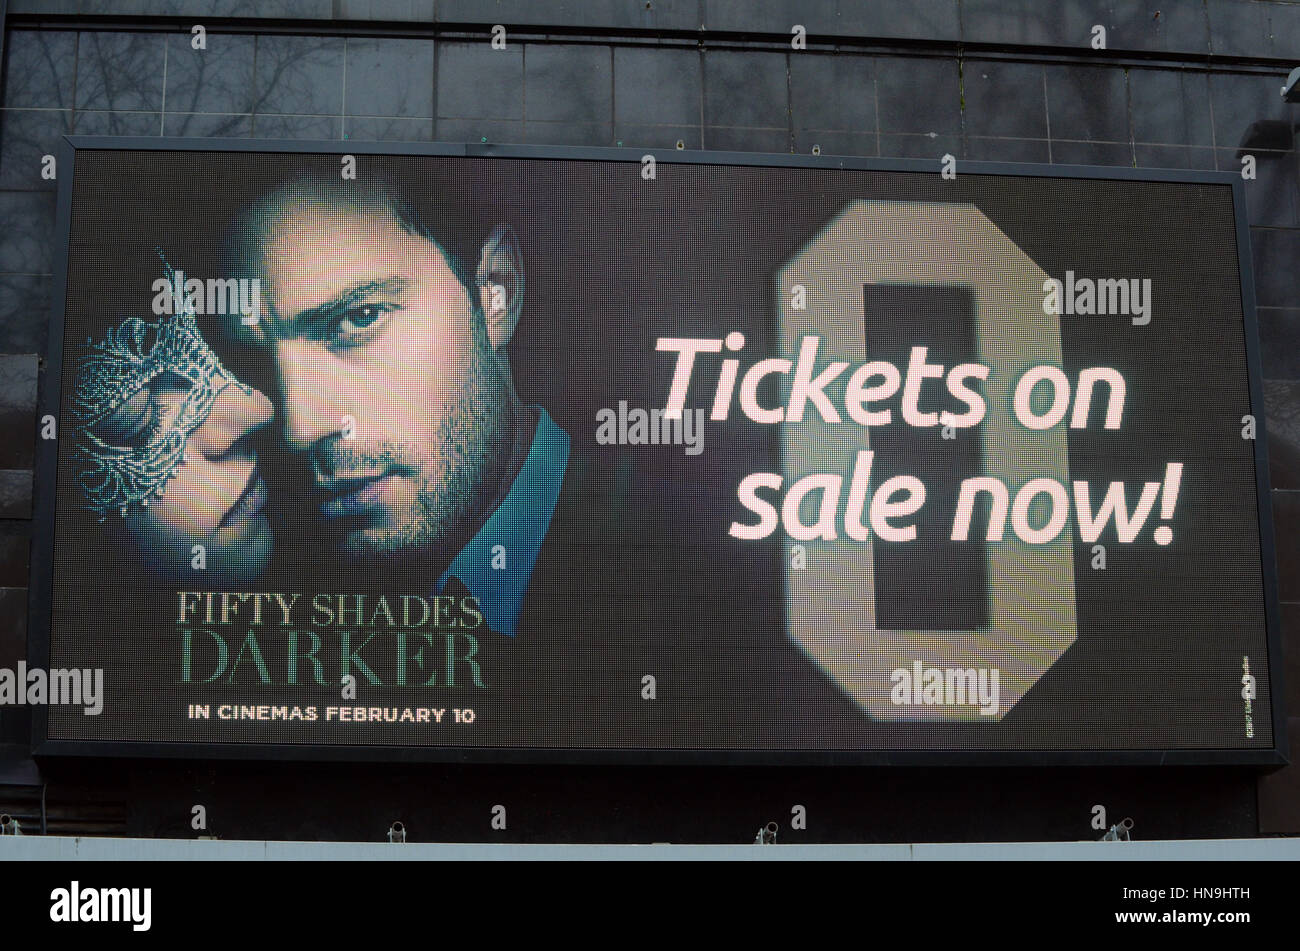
(48, 402)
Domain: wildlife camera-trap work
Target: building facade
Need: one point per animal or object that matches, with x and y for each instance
(1184, 84)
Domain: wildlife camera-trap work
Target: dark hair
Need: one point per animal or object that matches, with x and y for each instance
(446, 221)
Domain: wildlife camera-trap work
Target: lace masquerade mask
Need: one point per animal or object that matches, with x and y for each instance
(133, 355)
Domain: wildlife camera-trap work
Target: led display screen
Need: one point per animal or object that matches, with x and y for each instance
(457, 455)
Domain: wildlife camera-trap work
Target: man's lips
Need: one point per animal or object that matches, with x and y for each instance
(250, 502)
(353, 496)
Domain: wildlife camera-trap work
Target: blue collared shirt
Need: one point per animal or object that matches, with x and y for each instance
(519, 525)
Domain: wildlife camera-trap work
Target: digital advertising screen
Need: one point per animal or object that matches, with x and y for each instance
(486, 453)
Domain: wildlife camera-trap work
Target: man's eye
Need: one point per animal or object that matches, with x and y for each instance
(360, 317)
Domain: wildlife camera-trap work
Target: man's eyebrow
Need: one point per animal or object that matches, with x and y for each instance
(349, 296)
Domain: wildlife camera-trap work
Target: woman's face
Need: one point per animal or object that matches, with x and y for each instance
(166, 452)
(216, 498)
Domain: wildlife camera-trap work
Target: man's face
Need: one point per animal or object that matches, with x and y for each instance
(386, 379)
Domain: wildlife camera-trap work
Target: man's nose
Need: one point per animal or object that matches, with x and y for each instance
(311, 410)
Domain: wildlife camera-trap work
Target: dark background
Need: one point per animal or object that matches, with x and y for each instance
(1183, 83)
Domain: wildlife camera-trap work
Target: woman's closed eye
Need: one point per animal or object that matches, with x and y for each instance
(139, 420)
(132, 424)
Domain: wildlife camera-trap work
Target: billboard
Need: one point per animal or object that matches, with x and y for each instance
(529, 453)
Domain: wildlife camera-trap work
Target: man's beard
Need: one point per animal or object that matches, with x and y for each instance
(456, 473)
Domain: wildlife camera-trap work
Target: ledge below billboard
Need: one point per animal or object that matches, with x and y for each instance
(541, 454)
